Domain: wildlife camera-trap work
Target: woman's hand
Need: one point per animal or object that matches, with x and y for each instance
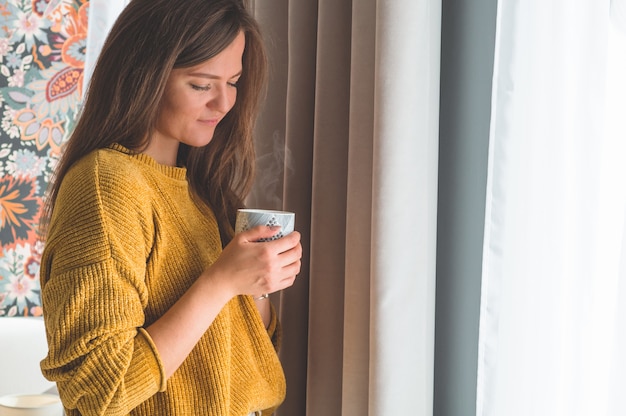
(249, 267)
(244, 267)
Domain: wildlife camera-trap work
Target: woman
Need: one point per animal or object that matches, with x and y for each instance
(152, 306)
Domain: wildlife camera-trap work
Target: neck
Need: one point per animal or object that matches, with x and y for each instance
(163, 151)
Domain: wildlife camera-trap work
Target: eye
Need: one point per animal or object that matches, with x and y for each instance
(201, 87)
(233, 84)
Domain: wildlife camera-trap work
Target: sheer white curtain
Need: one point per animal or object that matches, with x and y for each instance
(551, 310)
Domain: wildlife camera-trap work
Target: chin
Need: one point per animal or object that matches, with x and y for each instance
(200, 142)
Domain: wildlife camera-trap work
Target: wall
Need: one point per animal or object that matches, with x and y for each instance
(468, 33)
(42, 56)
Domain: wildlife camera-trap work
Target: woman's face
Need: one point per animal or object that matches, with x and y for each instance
(196, 99)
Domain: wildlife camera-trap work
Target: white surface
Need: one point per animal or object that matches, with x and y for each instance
(22, 346)
(31, 405)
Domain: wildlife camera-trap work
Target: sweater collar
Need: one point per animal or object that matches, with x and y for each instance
(171, 171)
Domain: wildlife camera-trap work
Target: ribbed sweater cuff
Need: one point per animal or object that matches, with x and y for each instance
(146, 352)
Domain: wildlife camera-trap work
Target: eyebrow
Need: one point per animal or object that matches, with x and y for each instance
(211, 76)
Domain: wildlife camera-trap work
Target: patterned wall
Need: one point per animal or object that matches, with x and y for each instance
(42, 56)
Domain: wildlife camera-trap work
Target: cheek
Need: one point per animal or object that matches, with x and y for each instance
(165, 116)
(233, 99)
(165, 107)
(176, 109)
(172, 118)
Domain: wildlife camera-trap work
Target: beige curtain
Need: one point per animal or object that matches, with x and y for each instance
(349, 141)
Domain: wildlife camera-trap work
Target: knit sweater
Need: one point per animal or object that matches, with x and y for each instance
(125, 241)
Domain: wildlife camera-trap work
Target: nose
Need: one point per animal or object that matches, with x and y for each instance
(223, 100)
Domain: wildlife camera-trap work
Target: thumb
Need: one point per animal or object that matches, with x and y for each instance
(262, 233)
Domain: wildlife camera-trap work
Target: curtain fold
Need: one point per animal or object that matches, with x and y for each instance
(328, 208)
(555, 210)
(404, 207)
(356, 342)
(616, 127)
(618, 14)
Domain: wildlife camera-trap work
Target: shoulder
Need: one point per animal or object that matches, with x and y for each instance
(106, 165)
(102, 202)
(104, 174)
(105, 184)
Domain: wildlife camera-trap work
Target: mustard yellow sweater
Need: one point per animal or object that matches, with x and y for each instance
(125, 242)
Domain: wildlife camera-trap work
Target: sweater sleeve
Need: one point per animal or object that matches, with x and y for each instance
(94, 295)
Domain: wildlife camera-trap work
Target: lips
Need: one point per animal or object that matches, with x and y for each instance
(210, 122)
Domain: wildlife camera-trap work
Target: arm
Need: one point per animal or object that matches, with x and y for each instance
(101, 358)
(263, 304)
(244, 267)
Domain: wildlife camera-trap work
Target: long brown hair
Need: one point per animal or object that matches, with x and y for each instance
(148, 40)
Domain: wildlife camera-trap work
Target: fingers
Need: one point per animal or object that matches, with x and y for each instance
(263, 233)
(264, 267)
(286, 263)
(259, 233)
(291, 255)
(286, 243)
(292, 263)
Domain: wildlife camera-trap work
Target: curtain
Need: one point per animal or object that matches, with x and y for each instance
(102, 15)
(348, 140)
(351, 125)
(551, 316)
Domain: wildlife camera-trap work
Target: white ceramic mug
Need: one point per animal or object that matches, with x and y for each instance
(31, 405)
(249, 218)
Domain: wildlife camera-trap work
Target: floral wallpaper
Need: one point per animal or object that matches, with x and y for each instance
(42, 56)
